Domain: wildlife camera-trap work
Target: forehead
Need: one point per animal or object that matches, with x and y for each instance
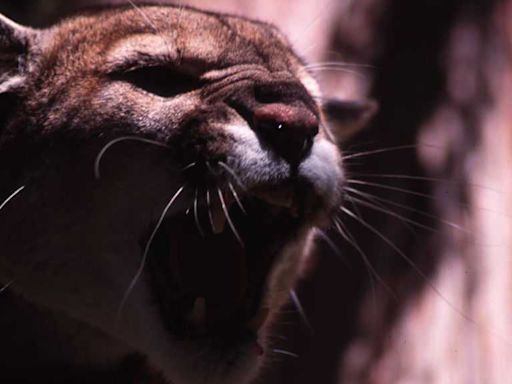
(176, 32)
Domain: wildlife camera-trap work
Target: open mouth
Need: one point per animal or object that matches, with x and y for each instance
(209, 265)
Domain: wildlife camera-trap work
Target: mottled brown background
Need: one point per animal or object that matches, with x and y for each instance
(441, 309)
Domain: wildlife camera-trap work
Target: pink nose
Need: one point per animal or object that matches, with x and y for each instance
(289, 130)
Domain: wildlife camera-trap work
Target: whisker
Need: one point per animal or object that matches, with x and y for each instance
(391, 188)
(345, 233)
(11, 196)
(287, 353)
(356, 208)
(6, 286)
(196, 215)
(228, 218)
(333, 247)
(338, 65)
(144, 16)
(233, 173)
(151, 24)
(425, 195)
(300, 309)
(209, 206)
(237, 198)
(146, 249)
(367, 196)
(409, 261)
(2, 206)
(115, 141)
(393, 214)
(319, 15)
(337, 69)
(383, 150)
(420, 212)
(420, 178)
(191, 165)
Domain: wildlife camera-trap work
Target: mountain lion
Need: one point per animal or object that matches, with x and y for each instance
(163, 171)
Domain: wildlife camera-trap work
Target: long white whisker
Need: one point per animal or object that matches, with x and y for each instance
(410, 262)
(2, 206)
(144, 16)
(382, 150)
(233, 174)
(228, 218)
(375, 201)
(300, 309)
(151, 24)
(393, 214)
(146, 249)
(191, 165)
(209, 206)
(11, 196)
(237, 198)
(336, 64)
(391, 188)
(287, 353)
(333, 247)
(420, 178)
(345, 233)
(425, 195)
(6, 286)
(337, 69)
(196, 215)
(425, 214)
(107, 146)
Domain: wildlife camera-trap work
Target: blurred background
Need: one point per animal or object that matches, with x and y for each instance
(414, 284)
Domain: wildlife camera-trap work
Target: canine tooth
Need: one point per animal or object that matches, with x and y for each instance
(198, 314)
(257, 322)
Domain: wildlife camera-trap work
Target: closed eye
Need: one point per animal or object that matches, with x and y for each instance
(162, 81)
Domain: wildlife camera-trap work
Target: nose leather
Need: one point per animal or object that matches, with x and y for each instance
(289, 129)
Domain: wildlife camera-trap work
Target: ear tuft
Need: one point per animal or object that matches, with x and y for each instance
(15, 42)
(347, 117)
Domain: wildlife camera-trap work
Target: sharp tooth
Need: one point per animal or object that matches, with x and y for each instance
(198, 314)
(257, 321)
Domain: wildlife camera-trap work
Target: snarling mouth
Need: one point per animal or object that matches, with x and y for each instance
(210, 264)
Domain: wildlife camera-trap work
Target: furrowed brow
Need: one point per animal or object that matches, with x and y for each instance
(140, 50)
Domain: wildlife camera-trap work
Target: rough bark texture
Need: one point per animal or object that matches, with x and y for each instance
(408, 304)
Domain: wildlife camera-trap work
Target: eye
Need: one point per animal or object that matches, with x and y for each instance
(160, 80)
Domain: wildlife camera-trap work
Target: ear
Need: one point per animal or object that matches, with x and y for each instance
(346, 117)
(15, 44)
